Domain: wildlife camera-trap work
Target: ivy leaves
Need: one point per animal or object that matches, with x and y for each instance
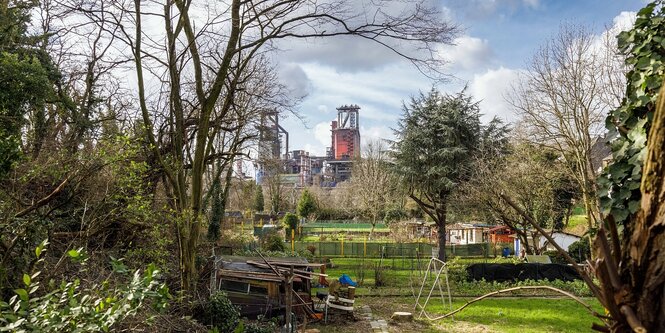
(644, 48)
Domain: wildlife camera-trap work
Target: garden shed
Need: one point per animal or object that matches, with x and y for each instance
(260, 286)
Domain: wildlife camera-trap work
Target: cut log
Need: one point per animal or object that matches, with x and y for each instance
(402, 316)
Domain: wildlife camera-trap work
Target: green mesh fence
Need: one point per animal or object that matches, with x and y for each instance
(390, 250)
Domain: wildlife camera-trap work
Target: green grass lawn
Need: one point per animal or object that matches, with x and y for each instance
(577, 224)
(496, 315)
(518, 315)
(403, 277)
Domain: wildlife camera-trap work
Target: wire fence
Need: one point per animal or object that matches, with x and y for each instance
(390, 250)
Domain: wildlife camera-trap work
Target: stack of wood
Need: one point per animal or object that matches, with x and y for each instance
(283, 267)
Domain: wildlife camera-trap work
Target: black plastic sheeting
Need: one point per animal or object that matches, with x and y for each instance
(521, 272)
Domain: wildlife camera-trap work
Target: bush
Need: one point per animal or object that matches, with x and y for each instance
(394, 215)
(557, 258)
(290, 221)
(273, 242)
(456, 271)
(580, 250)
(69, 307)
(311, 249)
(380, 278)
(221, 313)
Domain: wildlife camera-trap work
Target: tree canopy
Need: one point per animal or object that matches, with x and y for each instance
(437, 138)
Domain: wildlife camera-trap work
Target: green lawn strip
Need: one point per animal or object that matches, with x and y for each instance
(577, 225)
(519, 315)
(504, 315)
(402, 280)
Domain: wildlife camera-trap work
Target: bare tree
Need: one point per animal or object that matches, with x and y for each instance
(563, 98)
(532, 177)
(374, 185)
(200, 56)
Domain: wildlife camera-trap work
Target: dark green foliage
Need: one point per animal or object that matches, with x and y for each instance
(394, 215)
(580, 250)
(644, 47)
(69, 307)
(26, 79)
(556, 257)
(436, 138)
(217, 211)
(306, 204)
(24, 85)
(221, 313)
(258, 199)
(290, 221)
(273, 242)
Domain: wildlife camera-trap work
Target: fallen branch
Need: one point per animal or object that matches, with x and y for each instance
(494, 293)
(44, 200)
(589, 281)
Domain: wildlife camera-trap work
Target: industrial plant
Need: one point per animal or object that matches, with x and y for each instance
(298, 167)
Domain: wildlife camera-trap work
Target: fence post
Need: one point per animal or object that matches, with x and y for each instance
(365, 246)
(342, 247)
(293, 236)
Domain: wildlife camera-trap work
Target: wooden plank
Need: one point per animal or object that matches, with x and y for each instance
(286, 263)
(283, 269)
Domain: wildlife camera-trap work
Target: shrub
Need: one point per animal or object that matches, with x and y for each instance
(306, 204)
(557, 258)
(580, 250)
(456, 270)
(393, 215)
(221, 313)
(273, 242)
(380, 278)
(71, 308)
(290, 220)
(311, 249)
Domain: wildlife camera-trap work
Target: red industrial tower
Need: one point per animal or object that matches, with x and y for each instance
(345, 133)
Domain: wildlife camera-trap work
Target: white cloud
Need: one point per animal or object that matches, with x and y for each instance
(468, 53)
(344, 53)
(490, 88)
(624, 21)
(295, 79)
(322, 133)
(373, 133)
(314, 149)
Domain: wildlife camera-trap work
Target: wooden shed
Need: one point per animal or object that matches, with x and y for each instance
(259, 289)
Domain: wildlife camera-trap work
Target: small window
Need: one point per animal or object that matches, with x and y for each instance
(237, 286)
(258, 290)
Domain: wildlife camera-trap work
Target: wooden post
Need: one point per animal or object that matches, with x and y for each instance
(293, 235)
(365, 246)
(289, 300)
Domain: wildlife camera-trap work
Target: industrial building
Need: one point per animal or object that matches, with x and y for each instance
(335, 167)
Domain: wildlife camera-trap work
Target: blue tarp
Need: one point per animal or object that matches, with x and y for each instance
(346, 280)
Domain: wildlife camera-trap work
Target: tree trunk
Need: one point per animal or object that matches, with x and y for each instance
(442, 241)
(643, 261)
(441, 224)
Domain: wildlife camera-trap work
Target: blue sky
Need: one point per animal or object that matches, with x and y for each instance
(497, 40)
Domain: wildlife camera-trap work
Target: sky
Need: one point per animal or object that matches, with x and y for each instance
(496, 41)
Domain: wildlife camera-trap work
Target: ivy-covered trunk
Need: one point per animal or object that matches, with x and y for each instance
(644, 262)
